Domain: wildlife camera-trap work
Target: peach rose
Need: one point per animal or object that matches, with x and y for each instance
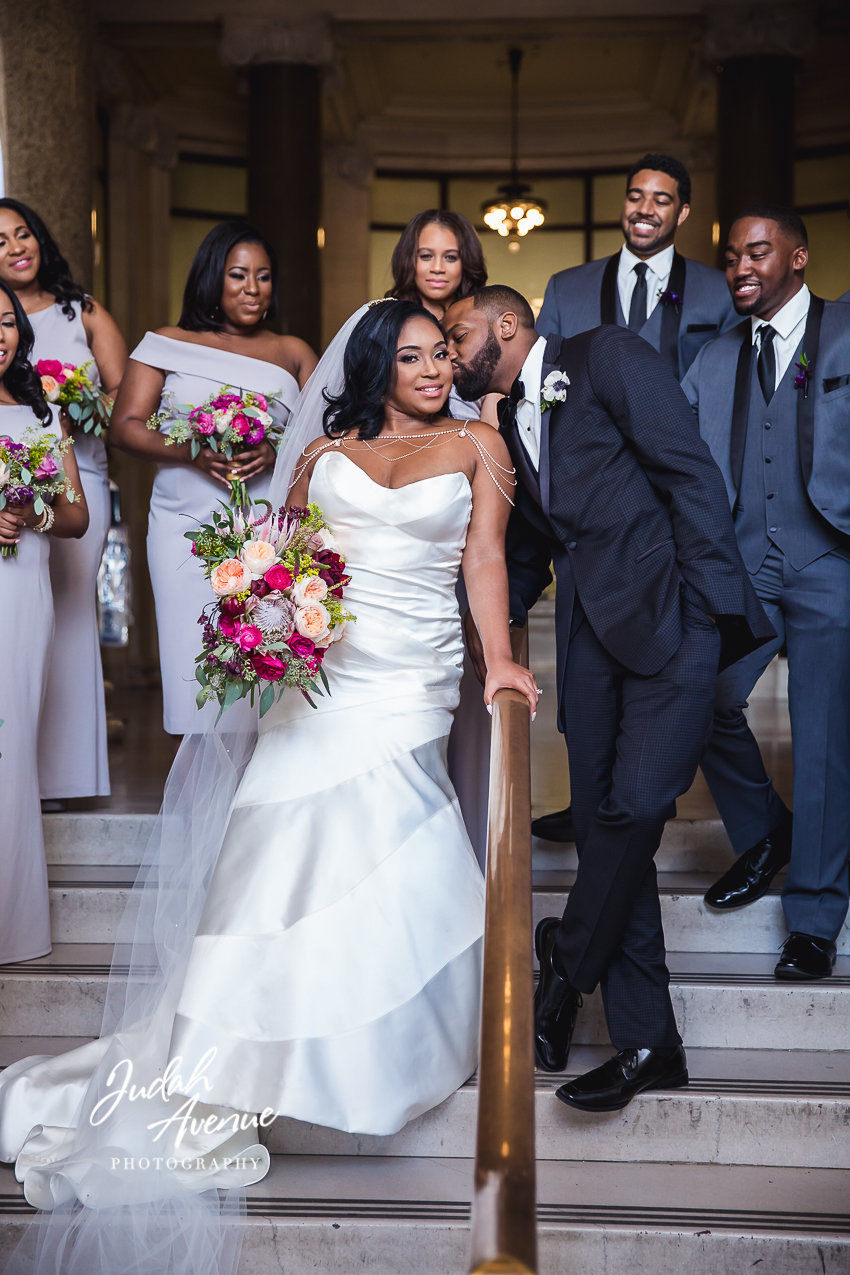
(312, 621)
(310, 589)
(50, 385)
(229, 577)
(258, 556)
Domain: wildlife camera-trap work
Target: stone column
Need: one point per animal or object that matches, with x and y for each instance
(345, 256)
(47, 118)
(756, 49)
(284, 68)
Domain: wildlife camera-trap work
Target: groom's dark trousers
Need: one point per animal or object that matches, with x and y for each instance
(630, 507)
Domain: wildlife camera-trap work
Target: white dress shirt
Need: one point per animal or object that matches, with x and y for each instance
(528, 412)
(789, 324)
(657, 277)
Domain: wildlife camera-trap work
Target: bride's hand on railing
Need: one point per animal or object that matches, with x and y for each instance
(502, 674)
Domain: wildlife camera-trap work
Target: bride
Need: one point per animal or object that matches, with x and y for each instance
(305, 938)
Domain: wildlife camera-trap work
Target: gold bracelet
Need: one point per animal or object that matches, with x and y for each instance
(46, 520)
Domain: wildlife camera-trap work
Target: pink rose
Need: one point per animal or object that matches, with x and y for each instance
(49, 367)
(262, 402)
(301, 646)
(268, 667)
(240, 424)
(229, 577)
(47, 469)
(229, 626)
(249, 637)
(226, 400)
(204, 422)
(312, 621)
(278, 577)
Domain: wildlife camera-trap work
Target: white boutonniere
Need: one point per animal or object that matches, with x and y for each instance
(554, 390)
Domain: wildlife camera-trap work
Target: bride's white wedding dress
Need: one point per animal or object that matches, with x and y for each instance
(334, 976)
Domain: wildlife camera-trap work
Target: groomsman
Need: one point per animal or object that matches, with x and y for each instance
(773, 402)
(673, 303)
(617, 488)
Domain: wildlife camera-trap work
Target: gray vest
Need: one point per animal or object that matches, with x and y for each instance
(773, 506)
(651, 330)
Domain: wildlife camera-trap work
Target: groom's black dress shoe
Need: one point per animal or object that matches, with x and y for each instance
(555, 827)
(752, 872)
(556, 1003)
(613, 1085)
(805, 956)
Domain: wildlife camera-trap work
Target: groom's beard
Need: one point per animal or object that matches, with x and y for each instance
(472, 380)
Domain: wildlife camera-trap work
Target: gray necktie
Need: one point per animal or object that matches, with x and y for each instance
(637, 309)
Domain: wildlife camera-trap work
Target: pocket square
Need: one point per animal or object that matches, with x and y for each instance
(702, 327)
(835, 382)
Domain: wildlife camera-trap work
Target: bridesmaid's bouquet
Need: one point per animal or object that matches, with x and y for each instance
(278, 584)
(73, 389)
(227, 423)
(31, 472)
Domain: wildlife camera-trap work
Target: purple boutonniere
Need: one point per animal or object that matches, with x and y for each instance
(804, 375)
(670, 298)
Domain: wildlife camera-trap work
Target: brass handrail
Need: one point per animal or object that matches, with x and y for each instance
(504, 1227)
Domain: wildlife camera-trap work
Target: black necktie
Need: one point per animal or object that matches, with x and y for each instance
(767, 361)
(506, 408)
(637, 309)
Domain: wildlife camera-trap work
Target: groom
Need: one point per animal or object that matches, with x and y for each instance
(615, 487)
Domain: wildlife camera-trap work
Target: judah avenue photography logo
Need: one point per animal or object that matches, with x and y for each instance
(184, 1121)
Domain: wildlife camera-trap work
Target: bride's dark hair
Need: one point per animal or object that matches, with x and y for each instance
(54, 273)
(369, 369)
(20, 378)
(403, 264)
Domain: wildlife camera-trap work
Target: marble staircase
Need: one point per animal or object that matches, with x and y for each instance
(746, 1169)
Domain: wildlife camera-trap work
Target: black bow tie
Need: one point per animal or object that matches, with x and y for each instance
(506, 408)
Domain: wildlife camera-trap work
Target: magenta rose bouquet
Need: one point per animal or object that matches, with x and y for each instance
(227, 423)
(32, 473)
(278, 584)
(73, 389)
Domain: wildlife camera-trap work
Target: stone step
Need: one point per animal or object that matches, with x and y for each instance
(741, 1107)
(87, 902)
(722, 1000)
(690, 926)
(99, 838)
(410, 1216)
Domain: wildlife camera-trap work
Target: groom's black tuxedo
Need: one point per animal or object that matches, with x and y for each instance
(632, 510)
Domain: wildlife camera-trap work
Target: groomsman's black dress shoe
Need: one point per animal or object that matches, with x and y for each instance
(752, 872)
(805, 956)
(555, 827)
(556, 1003)
(613, 1085)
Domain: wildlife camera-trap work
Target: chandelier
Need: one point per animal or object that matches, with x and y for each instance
(514, 211)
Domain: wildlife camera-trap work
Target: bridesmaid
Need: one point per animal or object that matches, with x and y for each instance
(69, 326)
(26, 629)
(220, 339)
(438, 260)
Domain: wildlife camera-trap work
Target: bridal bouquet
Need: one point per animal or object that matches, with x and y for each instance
(227, 423)
(278, 584)
(73, 389)
(31, 472)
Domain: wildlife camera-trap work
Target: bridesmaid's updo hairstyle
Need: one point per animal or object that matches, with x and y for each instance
(202, 296)
(54, 273)
(369, 369)
(403, 264)
(21, 379)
